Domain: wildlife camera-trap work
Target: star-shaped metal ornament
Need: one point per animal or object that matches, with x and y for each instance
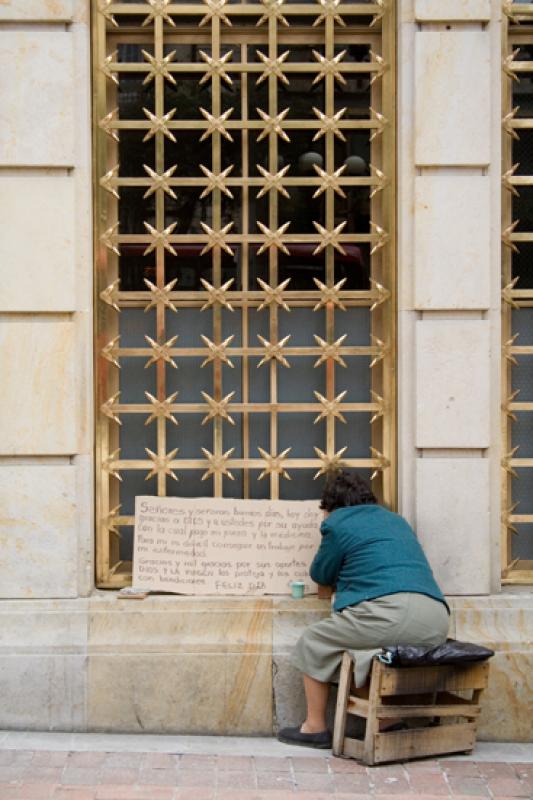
(273, 238)
(380, 293)
(508, 123)
(103, 9)
(159, 66)
(161, 352)
(507, 293)
(216, 239)
(378, 123)
(215, 9)
(508, 349)
(273, 295)
(380, 349)
(329, 66)
(217, 351)
(382, 462)
(105, 67)
(274, 464)
(273, 181)
(160, 296)
(507, 65)
(110, 520)
(274, 350)
(507, 180)
(507, 462)
(109, 238)
(507, 236)
(217, 296)
(507, 405)
(106, 124)
(272, 10)
(330, 294)
(161, 408)
(382, 8)
(159, 124)
(218, 408)
(273, 67)
(110, 295)
(329, 181)
(160, 181)
(329, 11)
(330, 408)
(380, 402)
(217, 464)
(108, 464)
(161, 464)
(329, 124)
(110, 351)
(329, 463)
(380, 237)
(215, 66)
(158, 8)
(216, 181)
(216, 124)
(108, 408)
(108, 181)
(381, 180)
(332, 350)
(273, 124)
(159, 238)
(381, 65)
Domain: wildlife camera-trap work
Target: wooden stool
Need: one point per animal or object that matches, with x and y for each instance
(427, 693)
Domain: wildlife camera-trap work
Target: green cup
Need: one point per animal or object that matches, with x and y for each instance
(297, 589)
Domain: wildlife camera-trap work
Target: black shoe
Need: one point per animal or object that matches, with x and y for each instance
(320, 740)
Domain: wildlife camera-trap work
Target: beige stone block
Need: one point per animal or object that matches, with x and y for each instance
(452, 383)
(38, 545)
(38, 401)
(452, 242)
(452, 10)
(37, 85)
(37, 259)
(201, 693)
(36, 10)
(453, 523)
(181, 665)
(452, 98)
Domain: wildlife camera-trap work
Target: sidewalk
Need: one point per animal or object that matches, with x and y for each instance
(62, 766)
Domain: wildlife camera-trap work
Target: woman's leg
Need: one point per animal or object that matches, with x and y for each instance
(316, 696)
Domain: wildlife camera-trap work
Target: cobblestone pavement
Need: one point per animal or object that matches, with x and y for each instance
(63, 775)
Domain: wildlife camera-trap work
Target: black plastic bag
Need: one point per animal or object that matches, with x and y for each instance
(451, 652)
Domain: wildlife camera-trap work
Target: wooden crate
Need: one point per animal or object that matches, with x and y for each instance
(443, 721)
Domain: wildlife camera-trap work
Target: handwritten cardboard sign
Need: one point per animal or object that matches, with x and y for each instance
(208, 546)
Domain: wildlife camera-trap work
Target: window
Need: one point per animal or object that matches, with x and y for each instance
(517, 540)
(245, 244)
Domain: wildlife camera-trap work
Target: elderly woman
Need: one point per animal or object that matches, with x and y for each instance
(385, 595)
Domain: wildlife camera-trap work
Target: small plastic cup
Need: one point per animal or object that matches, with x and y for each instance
(297, 589)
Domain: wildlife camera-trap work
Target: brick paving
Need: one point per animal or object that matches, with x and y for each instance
(55, 775)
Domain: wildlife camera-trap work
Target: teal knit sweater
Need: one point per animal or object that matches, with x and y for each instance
(367, 552)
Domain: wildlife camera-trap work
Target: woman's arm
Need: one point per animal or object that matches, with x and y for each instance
(326, 564)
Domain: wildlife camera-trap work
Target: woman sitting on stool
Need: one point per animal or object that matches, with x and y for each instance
(385, 595)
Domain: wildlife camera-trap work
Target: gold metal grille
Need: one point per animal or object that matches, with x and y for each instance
(517, 295)
(241, 239)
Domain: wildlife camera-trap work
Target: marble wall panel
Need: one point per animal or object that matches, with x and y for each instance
(452, 10)
(453, 522)
(38, 401)
(452, 383)
(452, 242)
(37, 112)
(452, 98)
(198, 665)
(36, 10)
(37, 253)
(38, 548)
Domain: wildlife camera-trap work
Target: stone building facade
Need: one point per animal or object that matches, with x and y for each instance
(74, 658)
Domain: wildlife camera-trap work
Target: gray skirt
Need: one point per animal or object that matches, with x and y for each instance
(362, 630)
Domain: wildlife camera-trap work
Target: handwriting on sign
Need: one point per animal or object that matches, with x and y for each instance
(222, 546)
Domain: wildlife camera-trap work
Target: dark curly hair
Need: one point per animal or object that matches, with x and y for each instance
(345, 489)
